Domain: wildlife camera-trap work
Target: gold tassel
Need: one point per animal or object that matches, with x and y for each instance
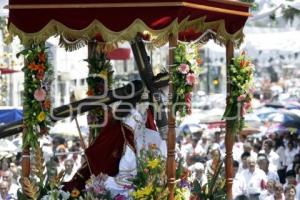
(30, 189)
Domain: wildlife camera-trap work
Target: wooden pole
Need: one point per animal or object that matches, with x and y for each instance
(171, 165)
(229, 139)
(25, 161)
(26, 149)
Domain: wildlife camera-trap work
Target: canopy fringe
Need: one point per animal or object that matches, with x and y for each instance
(74, 39)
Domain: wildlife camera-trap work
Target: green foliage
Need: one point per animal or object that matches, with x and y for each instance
(241, 82)
(99, 81)
(38, 76)
(185, 72)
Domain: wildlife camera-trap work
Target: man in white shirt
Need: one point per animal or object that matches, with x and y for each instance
(263, 164)
(273, 157)
(69, 170)
(239, 183)
(256, 179)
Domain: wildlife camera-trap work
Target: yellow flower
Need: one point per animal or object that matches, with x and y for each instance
(41, 117)
(148, 189)
(138, 194)
(143, 192)
(75, 193)
(153, 163)
(103, 74)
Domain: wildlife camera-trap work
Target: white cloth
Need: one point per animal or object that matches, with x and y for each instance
(272, 176)
(238, 186)
(298, 191)
(68, 177)
(282, 160)
(255, 180)
(289, 157)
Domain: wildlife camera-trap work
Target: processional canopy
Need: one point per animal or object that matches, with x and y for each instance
(112, 21)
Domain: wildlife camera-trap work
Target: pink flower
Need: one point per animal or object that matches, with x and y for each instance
(188, 103)
(245, 108)
(40, 94)
(190, 78)
(183, 68)
(241, 97)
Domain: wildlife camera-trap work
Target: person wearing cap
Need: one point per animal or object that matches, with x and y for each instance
(263, 164)
(256, 179)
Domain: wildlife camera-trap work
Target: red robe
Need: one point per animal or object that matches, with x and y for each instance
(105, 153)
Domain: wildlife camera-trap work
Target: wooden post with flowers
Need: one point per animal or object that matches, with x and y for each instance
(36, 102)
(99, 81)
(229, 139)
(238, 102)
(171, 165)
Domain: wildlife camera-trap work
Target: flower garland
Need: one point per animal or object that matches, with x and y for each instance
(184, 76)
(150, 181)
(241, 81)
(37, 103)
(99, 81)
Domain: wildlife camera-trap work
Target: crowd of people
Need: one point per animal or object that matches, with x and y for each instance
(59, 154)
(264, 168)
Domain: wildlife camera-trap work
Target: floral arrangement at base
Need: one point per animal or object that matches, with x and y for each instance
(95, 189)
(241, 82)
(99, 81)
(184, 76)
(39, 185)
(37, 101)
(150, 181)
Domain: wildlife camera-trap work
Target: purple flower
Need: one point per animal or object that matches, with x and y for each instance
(184, 183)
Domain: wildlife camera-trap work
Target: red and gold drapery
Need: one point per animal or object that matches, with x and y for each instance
(113, 21)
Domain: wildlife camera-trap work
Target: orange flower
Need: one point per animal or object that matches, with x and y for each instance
(199, 61)
(47, 104)
(41, 68)
(42, 57)
(242, 63)
(75, 193)
(90, 92)
(33, 66)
